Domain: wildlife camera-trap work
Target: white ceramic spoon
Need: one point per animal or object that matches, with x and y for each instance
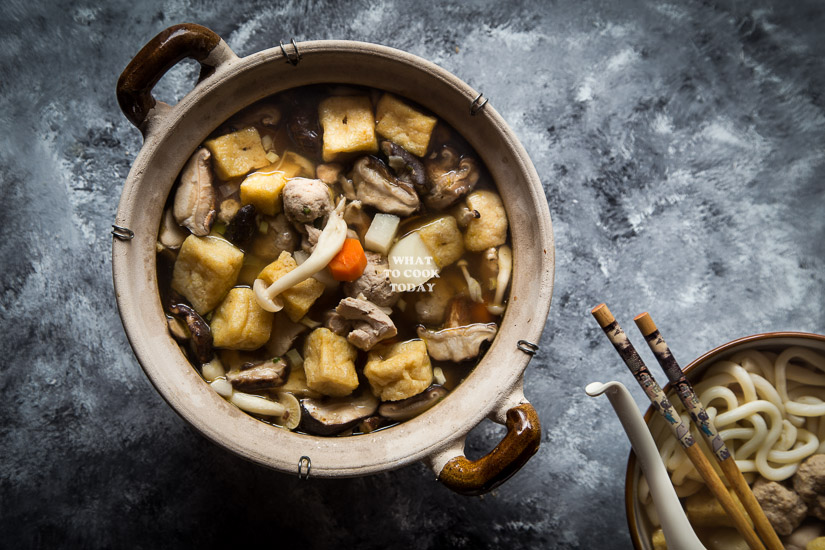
(678, 532)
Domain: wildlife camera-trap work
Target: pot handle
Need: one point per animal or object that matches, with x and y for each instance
(134, 87)
(476, 477)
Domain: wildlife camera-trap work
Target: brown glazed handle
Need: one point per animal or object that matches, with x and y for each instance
(134, 87)
(475, 477)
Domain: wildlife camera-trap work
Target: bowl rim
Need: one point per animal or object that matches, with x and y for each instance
(511, 379)
(632, 467)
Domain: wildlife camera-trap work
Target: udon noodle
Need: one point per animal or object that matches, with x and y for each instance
(768, 407)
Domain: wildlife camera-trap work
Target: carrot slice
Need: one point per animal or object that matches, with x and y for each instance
(350, 262)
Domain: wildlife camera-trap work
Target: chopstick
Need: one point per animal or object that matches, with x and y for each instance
(697, 413)
(680, 430)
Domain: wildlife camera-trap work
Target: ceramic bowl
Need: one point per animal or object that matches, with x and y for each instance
(228, 84)
(640, 528)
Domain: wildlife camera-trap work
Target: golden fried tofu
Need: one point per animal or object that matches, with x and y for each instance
(349, 125)
(403, 125)
(263, 190)
(703, 510)
(239, 322)
(817, 544)
(490, 229)
(299, 298)
(399, 371)
(443, 239)
(294, 165)
(658, 540)
(205, 270)
(235, 154)
(329, 363)
(296, 384)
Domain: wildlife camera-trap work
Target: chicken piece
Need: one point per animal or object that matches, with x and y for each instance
(262, 375)
(376, 186)
(305, 200)
(374, 284)
(239, 322)
(404, 125)
(809, 483)
(457, 344)
(195, 198)
(280, 236)
(490, 228)
(450, 176)
(362, 322)
(399, 371)
(329, 363)
(205, 269)
(329, 172)
(357, 219)
(783, 507)
(283, 335)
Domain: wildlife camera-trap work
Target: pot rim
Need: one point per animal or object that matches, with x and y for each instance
(186, 399)
(632, 470)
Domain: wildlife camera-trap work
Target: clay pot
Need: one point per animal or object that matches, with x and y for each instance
(228, 84)
(640, 528)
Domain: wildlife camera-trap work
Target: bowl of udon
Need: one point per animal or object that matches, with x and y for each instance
(766, 395)
(332, 258)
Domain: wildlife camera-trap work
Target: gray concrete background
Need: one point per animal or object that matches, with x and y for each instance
(682, 150)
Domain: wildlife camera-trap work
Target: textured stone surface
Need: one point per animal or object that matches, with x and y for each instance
(681, 149)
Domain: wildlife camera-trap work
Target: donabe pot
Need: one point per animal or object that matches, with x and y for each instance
(228, 84)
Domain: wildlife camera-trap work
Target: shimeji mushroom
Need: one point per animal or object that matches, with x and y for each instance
(256, 404)
(329, 244)
(505, 267)
(472, 285)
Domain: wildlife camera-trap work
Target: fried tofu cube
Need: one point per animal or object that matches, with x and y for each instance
(262, 189)
(443, 239)
(349, 125)
(490, 228)
(239, 322)
(299, 298)
(296, 384)
(205, 270)
(235, 154)
(329, 363)
(658, 540)
(703, 510)
(294, 165)
(399, 371)
(403, 125)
